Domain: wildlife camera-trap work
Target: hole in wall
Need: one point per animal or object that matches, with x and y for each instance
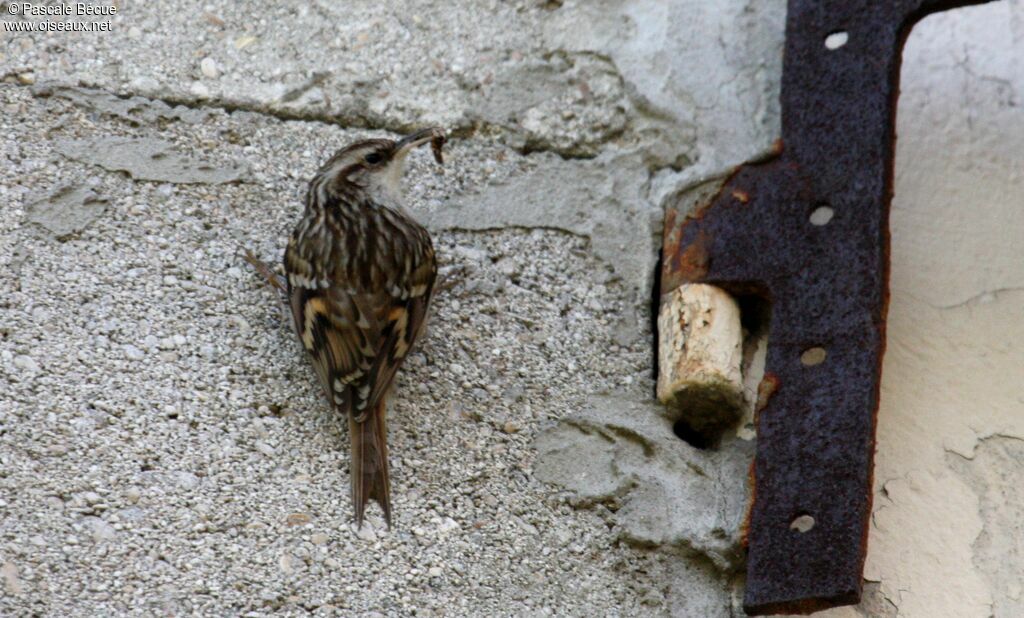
(822, 215)
(693, 437)
(755, 312)
(813, 356)
(802, 523)
(655, 308)
(836, 40)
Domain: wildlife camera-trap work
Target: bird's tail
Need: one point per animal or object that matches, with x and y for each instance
(370, 463)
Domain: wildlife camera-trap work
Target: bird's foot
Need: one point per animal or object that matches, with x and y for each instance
(275, 282)
(263, 269)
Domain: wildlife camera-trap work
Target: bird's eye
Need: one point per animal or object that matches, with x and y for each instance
(373, 158)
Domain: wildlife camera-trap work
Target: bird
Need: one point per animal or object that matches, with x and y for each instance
(360, 273)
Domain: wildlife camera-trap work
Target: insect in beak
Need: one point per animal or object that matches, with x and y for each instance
(434, 135)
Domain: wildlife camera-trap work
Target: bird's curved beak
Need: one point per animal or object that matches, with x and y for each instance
(434, 135)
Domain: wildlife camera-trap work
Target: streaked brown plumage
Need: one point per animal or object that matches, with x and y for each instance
(360, 273)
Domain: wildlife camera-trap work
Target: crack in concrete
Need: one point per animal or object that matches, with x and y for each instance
(979, 297)
(464, 130)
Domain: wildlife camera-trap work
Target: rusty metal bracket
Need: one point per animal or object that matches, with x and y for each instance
(808, 231)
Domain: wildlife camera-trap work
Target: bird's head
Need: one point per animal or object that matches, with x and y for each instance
(376, 165)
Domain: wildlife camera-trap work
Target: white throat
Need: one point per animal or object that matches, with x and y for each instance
(386, 185)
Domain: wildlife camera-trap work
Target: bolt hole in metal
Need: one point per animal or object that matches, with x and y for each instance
(802, 523)
(836, 40)
(822, 215)
(813, 356)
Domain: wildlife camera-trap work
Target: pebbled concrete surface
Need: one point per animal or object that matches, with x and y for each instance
(567, 77)
(167, 427)
(166, 450)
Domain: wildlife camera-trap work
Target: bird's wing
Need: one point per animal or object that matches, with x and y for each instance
(357, 339)
(402, 325)
(340, 332)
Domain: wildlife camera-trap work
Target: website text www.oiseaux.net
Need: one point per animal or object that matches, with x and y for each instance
(56, 26)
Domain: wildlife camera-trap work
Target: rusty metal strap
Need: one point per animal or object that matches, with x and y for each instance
(808, 231)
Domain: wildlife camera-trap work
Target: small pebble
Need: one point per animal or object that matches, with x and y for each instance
(27, 363)
(101, 530)
(366, 533)
(285, 562)
(12, 583)
(133, 353)
(200, 90)
(209, 68)
(297, 519)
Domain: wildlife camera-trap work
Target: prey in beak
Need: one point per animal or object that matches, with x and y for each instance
(434, 135)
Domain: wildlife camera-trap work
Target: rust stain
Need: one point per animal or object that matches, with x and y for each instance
(691, 263)
(670, 225)
(676, 271)
(683, 265)
(745, 524)
(765, 389)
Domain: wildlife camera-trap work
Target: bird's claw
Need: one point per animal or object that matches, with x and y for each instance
(264, 270)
